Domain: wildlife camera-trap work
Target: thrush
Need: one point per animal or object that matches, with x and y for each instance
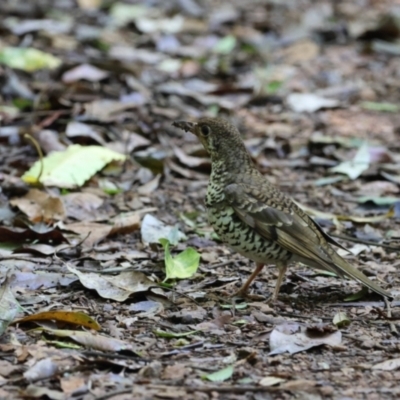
(256, 219)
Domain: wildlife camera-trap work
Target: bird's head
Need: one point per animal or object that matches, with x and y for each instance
(219, 137)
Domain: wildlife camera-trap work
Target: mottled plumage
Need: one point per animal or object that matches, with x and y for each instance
(256, 219)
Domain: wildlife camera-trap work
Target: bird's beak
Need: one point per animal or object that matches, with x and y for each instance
(185, 126)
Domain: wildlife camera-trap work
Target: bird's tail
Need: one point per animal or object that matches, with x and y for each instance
(341, 267)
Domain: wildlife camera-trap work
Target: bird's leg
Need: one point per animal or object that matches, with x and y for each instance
(243, 290)
(282, 270)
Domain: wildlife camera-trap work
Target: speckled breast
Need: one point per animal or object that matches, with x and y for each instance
(242, 238)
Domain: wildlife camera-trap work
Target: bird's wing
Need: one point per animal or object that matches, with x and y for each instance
(278, 219)
(275, 217)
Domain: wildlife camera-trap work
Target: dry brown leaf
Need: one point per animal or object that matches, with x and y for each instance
(293, 338)
(388, 365)
(92, 231)
(71, 384)
(150, 186)
(271, 381)
(92, 341)
(40, 206)
(190, 161)
(125, 224)
(119, 287)
(82, 206)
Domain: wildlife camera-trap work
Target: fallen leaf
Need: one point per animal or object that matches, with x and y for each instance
(153, 230)
(309, 102)
(341, 320)
(388, 365)
(28, 59)
(23, 26)
(124, 13)
(271, 381)
(175, 371)
(221, 375)
(360, 163)
(293, 338)
(106, 110)
(299, 385)
(72, 384)
(79, 129)
(225, 45)
(119, 287)
(24, 280)
(91, 232)
(165, 25)
(71, 168)
(84, 71)
(82, 205)
(358, 295)
(150, 186)
(192, 162)
(38, 392)
(40, 206)
(92, 341)
(382, 107)
(379, 201)
(182, 266)
(71, 317)
(89, 4)
(125, 223)
(42, 369)
(9, 306)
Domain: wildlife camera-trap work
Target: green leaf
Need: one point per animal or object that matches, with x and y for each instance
(221, 375)
(182, 266)
(273, 86)
(28, 59)
(383, 107)
(72, 167)
(240, 322)
(324, 273)
(22, 104)
(341, 320)
(181, 342)
(225, 45)
(357, 296)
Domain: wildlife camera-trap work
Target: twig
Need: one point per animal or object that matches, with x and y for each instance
(40, 153)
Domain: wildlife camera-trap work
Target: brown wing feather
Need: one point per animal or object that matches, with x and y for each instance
(286, 224)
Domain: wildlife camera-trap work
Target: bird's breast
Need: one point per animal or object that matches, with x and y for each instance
(215, 195)
(242, 237)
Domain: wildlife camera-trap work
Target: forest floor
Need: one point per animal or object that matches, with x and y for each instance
(314, 90)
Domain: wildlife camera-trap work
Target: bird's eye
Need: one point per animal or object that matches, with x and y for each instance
(205, 130)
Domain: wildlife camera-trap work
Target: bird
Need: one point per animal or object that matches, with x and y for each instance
(255, 218)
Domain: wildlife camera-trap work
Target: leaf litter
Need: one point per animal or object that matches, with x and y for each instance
(113, 77)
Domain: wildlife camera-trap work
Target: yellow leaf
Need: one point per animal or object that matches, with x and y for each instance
(72, 167)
